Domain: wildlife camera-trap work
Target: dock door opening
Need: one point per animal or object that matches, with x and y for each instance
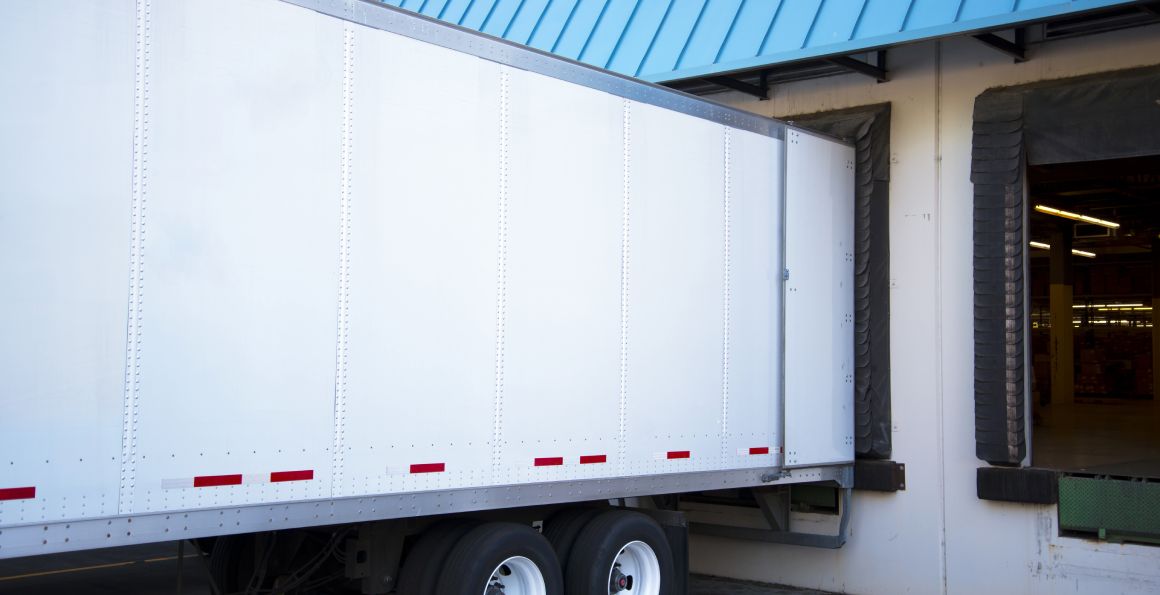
(1066, 235)
(1093, 316)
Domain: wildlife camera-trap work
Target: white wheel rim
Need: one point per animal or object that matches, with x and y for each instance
(516, 576)
(635, 571)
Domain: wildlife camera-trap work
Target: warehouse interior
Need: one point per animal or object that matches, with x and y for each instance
(1094, 262)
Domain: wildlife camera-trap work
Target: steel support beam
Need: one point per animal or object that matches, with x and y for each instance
(1061, 297)
(759, 92)
(782, 536)
(874, 71)
(774, 504)
(1016, 49)
(1155, 320)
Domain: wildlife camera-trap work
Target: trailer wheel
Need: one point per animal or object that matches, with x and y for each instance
(502, 558)
(562, 529)
(419, 574)
(620, 552)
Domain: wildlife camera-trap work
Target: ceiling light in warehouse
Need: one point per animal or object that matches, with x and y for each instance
(1073, 251)
(1076, 216)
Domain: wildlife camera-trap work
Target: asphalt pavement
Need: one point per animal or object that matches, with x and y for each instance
(145, 569)
(156, 569)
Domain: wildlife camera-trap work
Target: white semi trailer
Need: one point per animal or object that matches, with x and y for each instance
(316, 274)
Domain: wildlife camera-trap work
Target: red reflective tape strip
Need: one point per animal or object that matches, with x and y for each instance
(678, 454)
(305, 475)
(427, 468)
(209, 481)
(549, 461)
(18, 493)
(589, 459)
(759, 450)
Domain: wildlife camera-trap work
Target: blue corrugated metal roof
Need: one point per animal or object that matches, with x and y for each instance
(666, 40)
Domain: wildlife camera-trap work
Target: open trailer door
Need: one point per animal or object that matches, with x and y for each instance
(819, 301)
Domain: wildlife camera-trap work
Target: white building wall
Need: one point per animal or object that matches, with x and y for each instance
(937, 537)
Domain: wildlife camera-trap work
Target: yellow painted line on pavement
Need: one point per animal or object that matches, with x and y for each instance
(168, 558)
(65, 570)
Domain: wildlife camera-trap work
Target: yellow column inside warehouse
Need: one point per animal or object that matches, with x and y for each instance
(1062, 331)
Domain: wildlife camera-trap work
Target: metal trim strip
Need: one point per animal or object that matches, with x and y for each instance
(342, 326)
(143, 37)
(421, 28)
(72, 534)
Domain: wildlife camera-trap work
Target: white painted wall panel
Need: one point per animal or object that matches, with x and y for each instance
(819, 301)
(420, 388)
(752, 410)
(949, 540)
(241, 252)
(675, 289)
(563, 277)
(64, 246)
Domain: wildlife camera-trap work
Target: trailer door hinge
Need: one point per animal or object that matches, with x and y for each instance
(785, 275)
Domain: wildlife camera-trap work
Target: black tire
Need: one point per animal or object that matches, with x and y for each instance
(424, 562)
(562, 529)
(470, 565)
(600, 542)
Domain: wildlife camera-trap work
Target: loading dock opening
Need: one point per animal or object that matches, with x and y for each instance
(1066, 141)
(1092, 317)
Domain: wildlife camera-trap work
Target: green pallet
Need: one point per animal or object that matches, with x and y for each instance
(1115, 509)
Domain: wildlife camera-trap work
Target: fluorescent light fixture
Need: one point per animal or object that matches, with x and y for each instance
(1082, 253)
(1076, 216)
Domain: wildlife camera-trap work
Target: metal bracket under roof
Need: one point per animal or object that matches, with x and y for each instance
(758, 82)
(760, 90)
(875, 71)
(1016, 49)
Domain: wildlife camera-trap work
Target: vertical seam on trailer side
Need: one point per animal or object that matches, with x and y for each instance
(501, 273)
(725, 310)
(626, 188)
(338, 459)
(143, 38)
